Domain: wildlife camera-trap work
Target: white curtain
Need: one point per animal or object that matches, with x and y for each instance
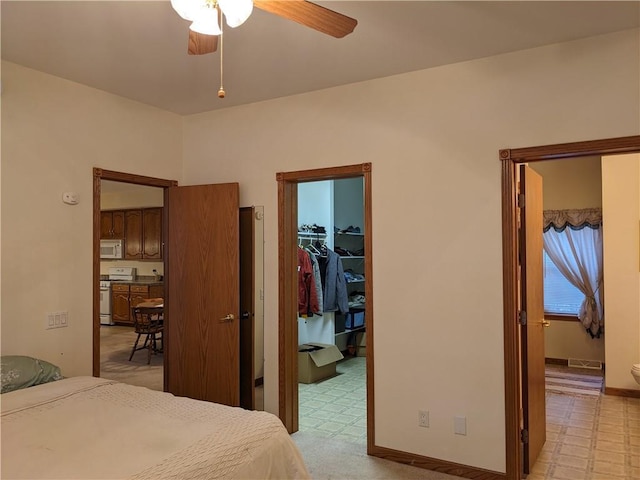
(573, 241)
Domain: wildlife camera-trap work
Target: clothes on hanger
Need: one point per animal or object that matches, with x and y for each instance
(307, 293)
(335, 286)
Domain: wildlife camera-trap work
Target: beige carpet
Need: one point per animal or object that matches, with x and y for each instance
(115, 347)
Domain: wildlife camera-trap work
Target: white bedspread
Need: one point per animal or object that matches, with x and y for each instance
(91, 428)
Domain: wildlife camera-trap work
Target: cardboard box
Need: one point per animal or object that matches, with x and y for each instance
(317, 361)
(361, 345)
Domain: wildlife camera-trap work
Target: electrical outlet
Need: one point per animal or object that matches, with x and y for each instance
(57, 320)
(423, 418)
(460, 425)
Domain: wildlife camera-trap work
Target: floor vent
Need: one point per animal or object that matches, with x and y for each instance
(593, 364)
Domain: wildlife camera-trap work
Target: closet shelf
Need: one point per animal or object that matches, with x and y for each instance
(355, 257)
(354, 234)
(311, 234)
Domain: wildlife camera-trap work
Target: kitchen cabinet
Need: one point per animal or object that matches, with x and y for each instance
(152, 233)
(112, 224)
(125, 296)
(120, 310)
(143, 234)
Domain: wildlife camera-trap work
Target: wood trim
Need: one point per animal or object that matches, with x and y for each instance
(561, 318)
(511, 337)
(607, 146)
(100, 174)
(319, 174)
(510, 158)
(622, 392)
(436, 465)
(287, 305)
(368, 305)
(287, 288)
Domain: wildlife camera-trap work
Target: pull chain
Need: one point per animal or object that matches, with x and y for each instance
(221, 92)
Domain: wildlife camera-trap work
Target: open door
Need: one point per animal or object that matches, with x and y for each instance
(247, 308)
(202, 285)
(532, 317)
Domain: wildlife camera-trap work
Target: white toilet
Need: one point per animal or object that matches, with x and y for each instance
(635, 371)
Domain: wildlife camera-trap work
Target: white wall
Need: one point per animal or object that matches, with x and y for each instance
(621, 209)
(437, 246)
(437, 256)
(571, 184)
(348, 207)
(53, 133)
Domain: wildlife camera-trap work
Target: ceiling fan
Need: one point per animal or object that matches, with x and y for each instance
(206, 16)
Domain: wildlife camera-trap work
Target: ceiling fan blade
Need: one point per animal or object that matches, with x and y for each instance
(311, 15)
(200, 44)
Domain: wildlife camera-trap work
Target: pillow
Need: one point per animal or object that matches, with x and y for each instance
(18, 371)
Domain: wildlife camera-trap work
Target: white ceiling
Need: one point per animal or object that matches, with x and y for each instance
(138, 49)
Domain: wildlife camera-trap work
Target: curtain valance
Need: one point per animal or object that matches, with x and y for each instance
(576, 219)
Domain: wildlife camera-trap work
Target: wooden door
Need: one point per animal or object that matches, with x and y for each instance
(120, 303)
(133, 234)
(247, 308)
(532, 333)
(202, 289)
(152, 233)
(112, 224)
(106, 224)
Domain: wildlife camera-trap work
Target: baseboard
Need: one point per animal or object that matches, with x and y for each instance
(622, 392)
(435, 465)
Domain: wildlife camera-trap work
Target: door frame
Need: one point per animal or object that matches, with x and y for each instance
(100, 174)
(288, 292)
(510, 159)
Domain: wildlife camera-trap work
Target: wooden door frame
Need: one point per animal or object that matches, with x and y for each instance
(98, 175)
(510, 159)
(288, 292)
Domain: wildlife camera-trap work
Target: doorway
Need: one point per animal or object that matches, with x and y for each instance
(515, 402)
(288, 293)
(231, 249)
(133, 275)
(332, 397)
(98, 176)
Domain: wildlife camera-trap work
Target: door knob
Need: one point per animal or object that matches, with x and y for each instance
(228, 318)
(545, 323)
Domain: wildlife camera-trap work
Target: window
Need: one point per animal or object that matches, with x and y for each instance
(560, 297)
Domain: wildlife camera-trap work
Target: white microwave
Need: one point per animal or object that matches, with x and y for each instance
(111, 249)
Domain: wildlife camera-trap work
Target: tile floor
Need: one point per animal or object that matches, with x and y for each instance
(588, 437)
(336, 407)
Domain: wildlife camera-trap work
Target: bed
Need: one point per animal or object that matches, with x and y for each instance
(90, 428)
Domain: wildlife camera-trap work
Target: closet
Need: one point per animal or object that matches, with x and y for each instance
(331, 229)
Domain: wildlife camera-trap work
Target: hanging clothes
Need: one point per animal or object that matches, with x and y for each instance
(335, 286)
(307, 295)
(317, 281)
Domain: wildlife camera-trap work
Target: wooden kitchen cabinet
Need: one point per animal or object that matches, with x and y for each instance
(143, 234)
(133, 235)
(152, 233)
(112, 224)
(120, 310)
(125, 296)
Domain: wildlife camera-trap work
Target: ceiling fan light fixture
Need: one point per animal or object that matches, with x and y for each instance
(236, 12)
(206, 22)
(187, 9)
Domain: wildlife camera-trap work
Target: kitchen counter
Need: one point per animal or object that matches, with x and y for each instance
(151, 283)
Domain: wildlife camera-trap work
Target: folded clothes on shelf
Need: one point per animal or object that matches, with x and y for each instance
(350, 276)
